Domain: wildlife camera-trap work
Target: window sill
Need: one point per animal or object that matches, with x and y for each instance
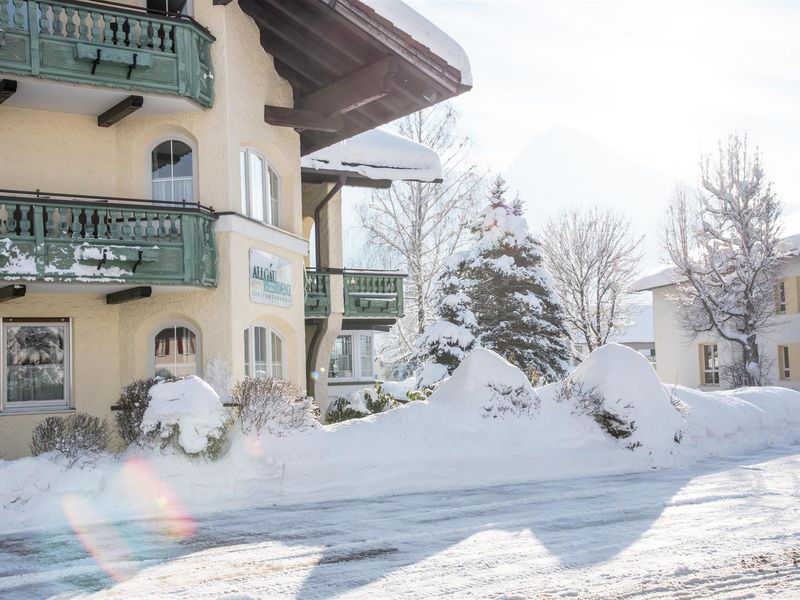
(10, 412)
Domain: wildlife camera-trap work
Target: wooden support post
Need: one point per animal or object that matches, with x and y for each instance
(301, 119)
(135, 293)
(7, 89)
(10, 292)
(120, 110)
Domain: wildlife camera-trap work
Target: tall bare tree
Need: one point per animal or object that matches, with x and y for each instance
(593, 257)
(726, 247)
(415, 226)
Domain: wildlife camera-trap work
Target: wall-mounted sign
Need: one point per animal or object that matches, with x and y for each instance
(270, 278)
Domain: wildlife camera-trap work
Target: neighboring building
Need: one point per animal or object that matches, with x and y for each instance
(695, 360)
(155, 211)
(638, 335)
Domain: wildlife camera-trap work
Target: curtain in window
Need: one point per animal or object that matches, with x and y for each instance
(175, 352)
(35, 363)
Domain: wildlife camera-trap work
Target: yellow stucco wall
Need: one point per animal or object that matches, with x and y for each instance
(69, 153)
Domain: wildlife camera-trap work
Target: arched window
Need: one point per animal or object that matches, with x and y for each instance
(172, 172)
(263, 353)
(261, 188)
(175, 352)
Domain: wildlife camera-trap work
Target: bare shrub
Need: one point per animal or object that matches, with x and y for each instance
(509, 400)
(272, 405)
(76, 437)
(132, 403)
(591, 402)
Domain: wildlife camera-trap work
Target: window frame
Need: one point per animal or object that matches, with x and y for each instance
(780, 297)
(173, 138)
(249, 356)
(37, 406)
(266, 182)
(714, 371)
(151, 364)
(355, 336)
(785, 366)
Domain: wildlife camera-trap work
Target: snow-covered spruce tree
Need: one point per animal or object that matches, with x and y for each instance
(516, 308)
(726, 248)
(446, 341)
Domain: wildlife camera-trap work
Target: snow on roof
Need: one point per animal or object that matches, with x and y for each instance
(641, 329)
(378, 154)
(660, 277)
(426, 33)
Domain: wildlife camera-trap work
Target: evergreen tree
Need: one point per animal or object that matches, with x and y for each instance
(446, 341)
(512, 296)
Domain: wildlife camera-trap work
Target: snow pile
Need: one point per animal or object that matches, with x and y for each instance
(191, 407)
(629, 394)
(405, 18)
(378, 154)
(485, 425)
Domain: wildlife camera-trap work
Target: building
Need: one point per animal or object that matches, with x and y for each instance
(695, 361)
(155, 205)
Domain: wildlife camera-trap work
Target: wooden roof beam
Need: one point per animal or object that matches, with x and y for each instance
(302, 119)
(355, 90)
(120, 110)
(7, 89)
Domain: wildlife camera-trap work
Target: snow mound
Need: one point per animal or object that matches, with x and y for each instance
(487, 382)
(190, 405)
(630, 389)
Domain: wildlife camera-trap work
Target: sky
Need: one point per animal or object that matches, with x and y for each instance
(657, 82)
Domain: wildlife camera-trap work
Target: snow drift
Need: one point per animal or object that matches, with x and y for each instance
(485, 425)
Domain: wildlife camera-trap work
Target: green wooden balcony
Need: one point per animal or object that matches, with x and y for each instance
(105, 44)
(367, 294)
(54, 237)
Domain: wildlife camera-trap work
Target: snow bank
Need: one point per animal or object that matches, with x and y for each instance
(378, 154)
(485, 425)
(190, 405)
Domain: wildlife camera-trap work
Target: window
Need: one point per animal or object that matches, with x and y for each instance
(172, 172)
(175, 352)
(260, 188)
(710, 355)
(352, 357)
(263, 353)
(36, 364)
(183, 7)
(780, 297)
(783, 359)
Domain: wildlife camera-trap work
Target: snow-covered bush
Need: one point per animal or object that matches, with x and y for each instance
(510, 400)
(341, 410)
(188, 415)
(368, 401)
(272, 405)
(73, 438)
(131, 406)
(417, 395)
(591, 402)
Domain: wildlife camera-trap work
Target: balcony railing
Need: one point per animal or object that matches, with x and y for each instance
(108, 45)
(53, 237)
(366, 293)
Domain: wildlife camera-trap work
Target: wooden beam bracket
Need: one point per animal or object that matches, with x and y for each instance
(134, 293)
(301, 119)
(7, 89)
(120, 110)
(10, 292)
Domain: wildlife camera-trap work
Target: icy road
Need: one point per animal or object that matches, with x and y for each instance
(726, 528)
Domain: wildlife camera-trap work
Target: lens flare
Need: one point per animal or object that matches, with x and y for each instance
(253, 446)
(315, 375)
(100, 540)
(151, 493)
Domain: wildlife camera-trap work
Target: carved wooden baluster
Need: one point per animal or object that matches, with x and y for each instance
(139, 226)
(77, 228)
(12, 219)
(70, 22)
(19, 15)
(114, 216)
(151, 231)
(63, 223)
(145, 37)
(168, 38)
(120, 39)
(107, 220)
(94, 21)
(108, 34)
(133, 28)
(83, 30)
(58, 25)
(164, 223)
(44, 20)
(5, 16)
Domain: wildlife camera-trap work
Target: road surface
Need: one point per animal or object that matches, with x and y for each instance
(726, 528)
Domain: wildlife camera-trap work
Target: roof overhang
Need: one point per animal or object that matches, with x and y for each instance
(351, 68)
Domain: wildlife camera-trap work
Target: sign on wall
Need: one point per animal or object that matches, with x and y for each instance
(270, 278)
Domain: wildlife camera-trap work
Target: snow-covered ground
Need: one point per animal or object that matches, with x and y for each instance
(722, 528)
